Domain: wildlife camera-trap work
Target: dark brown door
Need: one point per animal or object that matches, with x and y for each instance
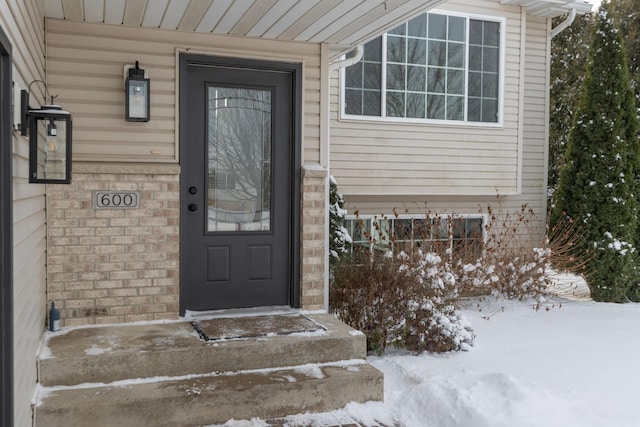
(236, 187)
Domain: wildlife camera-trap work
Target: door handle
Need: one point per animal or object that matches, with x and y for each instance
(192, 207)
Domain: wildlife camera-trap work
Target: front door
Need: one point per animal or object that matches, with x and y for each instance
(236, 148)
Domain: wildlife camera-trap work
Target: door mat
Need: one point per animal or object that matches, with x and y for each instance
(254, 326)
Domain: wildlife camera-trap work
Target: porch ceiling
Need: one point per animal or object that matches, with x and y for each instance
(551, 8)
(343, 24)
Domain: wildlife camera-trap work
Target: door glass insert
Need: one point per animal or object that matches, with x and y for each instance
(239, 159)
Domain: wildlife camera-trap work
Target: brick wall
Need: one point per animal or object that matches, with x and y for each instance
(122, 265)
(114, 265)
(313, 237)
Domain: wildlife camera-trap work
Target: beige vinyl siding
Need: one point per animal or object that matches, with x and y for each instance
(23, 23)
(390, 158)
(536, 116)
(458, 157)
(85, 64)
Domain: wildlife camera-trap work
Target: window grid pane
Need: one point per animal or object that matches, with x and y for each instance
(362, 82)
(484, 60)
(422, 63)
(359, 230)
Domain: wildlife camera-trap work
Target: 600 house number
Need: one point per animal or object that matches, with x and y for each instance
(116, 199)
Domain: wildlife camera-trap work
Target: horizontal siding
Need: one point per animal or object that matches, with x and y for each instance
(472, 151)
(430, 160)
(535, 115)
(85, 64)
(23, 23)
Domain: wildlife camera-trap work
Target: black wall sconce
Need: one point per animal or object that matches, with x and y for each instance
(49, 130)
(137, 102)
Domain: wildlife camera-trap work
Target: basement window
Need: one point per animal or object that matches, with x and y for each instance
(406, 233)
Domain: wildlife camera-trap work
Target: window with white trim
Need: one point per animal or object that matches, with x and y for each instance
(458, 233)
(434, 67)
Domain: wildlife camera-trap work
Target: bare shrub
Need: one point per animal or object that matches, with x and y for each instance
(568, 244)
(369, 293)
(511, 264)
(403, 301)
(403, 290)
(501, 258)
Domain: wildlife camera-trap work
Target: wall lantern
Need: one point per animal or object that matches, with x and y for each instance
(49, 130)
(137, 94)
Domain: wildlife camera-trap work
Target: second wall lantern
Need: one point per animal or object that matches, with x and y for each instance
(49, 130)
(137, 103)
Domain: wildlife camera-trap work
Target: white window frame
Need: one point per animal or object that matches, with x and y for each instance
(383, 118)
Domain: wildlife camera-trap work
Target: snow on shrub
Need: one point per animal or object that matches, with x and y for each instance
(443, 327)
(511, 264)
(405, 301)
(517, 278)
(410, 298)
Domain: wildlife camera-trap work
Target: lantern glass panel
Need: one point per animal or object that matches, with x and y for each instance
(52, 148)
(138, 100)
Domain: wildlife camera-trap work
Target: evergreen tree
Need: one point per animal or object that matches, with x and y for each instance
(627, 14)
(339, 238)
(568, 69)
(597, 185)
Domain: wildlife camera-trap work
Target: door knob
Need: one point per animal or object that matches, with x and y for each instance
(193, 190)
(192, 207)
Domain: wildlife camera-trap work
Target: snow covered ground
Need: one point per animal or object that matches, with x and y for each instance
(574, 365)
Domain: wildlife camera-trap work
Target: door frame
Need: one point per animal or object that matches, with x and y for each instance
(6, 231)
(295, 160)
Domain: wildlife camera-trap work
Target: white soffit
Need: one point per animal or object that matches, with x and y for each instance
(551, 8)
(343, 24)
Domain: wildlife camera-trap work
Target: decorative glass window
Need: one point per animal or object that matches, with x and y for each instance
(428, 234)
(434, 67)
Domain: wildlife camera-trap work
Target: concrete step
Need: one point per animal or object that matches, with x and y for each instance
(113, 353)
(198, 400)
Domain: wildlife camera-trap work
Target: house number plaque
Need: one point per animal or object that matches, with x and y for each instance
(116, 199)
